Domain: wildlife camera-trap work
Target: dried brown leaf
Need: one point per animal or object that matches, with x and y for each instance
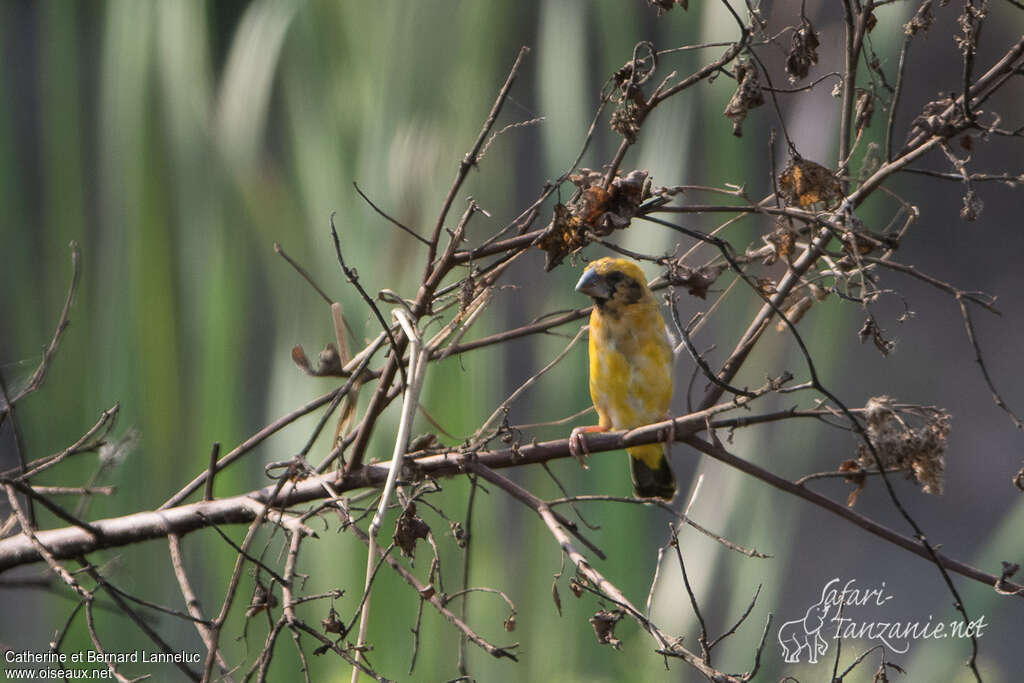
(408, 529)
(332, 624)
(666, 5)
(748, 96)
(796, 312)
(458, 533)
(604, 623)
(871, 330)
(865, 109)
(556, 597)
(804, 183)
(595, 210)
(262, 599)
(300, 359)
(803, 51)
(695, 280)
(782, 241)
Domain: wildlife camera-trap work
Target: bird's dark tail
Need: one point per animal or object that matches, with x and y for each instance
(652, 476)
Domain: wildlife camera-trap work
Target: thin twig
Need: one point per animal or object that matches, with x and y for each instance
(37, 378)
(302, 272)
(398, 224)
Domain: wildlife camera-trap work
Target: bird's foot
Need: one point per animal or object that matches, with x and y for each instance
(578, 444)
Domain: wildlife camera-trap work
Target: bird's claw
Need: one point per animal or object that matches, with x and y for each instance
(578, 446)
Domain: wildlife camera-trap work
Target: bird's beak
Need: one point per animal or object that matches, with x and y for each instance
(593, 285)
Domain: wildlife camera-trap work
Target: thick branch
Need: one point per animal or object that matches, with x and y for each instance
(120, 531)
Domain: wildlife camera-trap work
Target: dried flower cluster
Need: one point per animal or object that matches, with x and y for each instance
(920, 450)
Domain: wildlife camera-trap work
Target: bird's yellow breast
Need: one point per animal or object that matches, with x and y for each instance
(630, 365)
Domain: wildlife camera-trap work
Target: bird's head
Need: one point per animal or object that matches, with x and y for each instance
(614, 283)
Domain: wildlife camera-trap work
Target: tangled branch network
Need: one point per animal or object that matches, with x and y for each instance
(817, 251)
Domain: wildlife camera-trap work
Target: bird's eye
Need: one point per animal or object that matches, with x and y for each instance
(615, 276)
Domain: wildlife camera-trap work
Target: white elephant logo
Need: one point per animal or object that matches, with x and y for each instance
(804, 634)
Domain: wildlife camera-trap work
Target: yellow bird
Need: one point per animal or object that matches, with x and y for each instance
(630, 367)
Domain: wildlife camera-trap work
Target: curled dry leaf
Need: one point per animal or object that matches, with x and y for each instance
(332, 624)
(262, 599)
(630, 76)
(855, 476)
(629, 95)
(563, 236)
(666, 5)
(766, 285)
(695, 280)
(328, 362)
(871, 330)
(459, 534)
(300, 359)
(595, 210)
(871, 22)
(803, 51)
(510, 623)
(782, 240)
(865, 110)
(408, 529)
(604, 626)
(748, 96)
(795, 312)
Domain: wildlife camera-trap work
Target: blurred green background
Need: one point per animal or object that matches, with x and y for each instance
(177, 141)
